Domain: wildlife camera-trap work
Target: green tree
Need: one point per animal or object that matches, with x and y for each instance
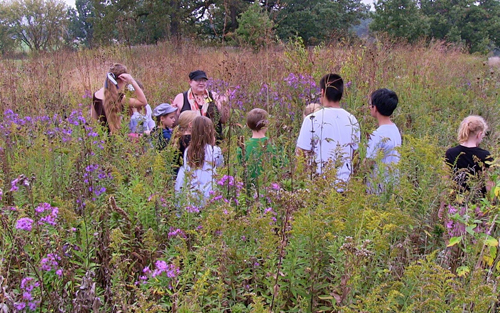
(222, 18)
(7, 42)
(81, 28)
(473, 23)
(400, 18)
(255, 28)
(318, 20)
(38, 24)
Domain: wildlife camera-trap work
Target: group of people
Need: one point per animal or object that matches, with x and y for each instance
(329, 137)
(328, 140)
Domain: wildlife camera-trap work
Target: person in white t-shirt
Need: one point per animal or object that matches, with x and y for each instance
(330, 135)
(382, 153)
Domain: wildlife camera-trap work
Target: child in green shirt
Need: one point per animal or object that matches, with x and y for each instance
(258, 151)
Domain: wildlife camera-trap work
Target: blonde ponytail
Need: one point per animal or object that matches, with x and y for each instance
(471, 125)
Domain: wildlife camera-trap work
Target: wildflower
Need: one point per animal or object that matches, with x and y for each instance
(50, 262)
(27, 296)
(226, 178)
(28, 284)
(217, 198)
(192, 209)
(176, 232)
(162, 267)
(43, 207)
(24, 223)
(51, 217)
(275, 186)
(20, 306)
(13, 184)
(99, 191)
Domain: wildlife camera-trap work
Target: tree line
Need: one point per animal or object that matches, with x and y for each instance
(44, 25)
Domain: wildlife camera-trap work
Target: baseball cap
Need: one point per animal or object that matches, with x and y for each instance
(195, 75)
(163, 109)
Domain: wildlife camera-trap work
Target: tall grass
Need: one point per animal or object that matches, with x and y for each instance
(90, 223)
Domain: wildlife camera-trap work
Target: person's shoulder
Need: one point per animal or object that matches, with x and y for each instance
(454, 152)
(482, 152)
(388, 130)
(455, 149)
(178, 100)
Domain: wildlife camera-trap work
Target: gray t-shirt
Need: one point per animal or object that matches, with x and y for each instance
(382, 147)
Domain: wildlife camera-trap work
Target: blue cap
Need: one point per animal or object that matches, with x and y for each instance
(163, 109)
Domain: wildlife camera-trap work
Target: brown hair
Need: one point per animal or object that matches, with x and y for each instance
(202, 134)
(471, 125)
(257, 119)
(112, 99)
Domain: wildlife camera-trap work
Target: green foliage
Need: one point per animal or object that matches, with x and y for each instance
(400, 18)
(255, 27)
(464, 22)
(123, 241)
(319, 20)
(37, 24)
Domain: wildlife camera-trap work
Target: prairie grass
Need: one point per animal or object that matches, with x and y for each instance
(91, 223)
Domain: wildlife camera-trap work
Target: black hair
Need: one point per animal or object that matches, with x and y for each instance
(333, 86)
(385, 100)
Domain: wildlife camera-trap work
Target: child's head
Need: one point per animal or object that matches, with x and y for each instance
(203, 131)
(332, 86)
(202, 134)
(384, 100)
(186, 120)
(165, 115)
(472, 125)
(311, 108)
(257, 119)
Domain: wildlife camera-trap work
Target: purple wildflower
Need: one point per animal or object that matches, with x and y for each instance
(50, 262)
(162, 267)
(176, 232)
(24, 223)
(192, 209)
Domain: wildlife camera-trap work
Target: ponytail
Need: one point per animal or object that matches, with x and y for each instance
(471, 125)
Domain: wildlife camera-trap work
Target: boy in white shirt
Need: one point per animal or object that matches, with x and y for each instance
(331, 134)
(384, 141)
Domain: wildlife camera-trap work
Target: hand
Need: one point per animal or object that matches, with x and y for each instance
(127, 78)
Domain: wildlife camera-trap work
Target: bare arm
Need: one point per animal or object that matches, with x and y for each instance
(139, 100)
(178, 102)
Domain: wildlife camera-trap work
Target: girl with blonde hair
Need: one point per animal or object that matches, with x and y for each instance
(467, 161)
(120, 90)
(201, 159)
